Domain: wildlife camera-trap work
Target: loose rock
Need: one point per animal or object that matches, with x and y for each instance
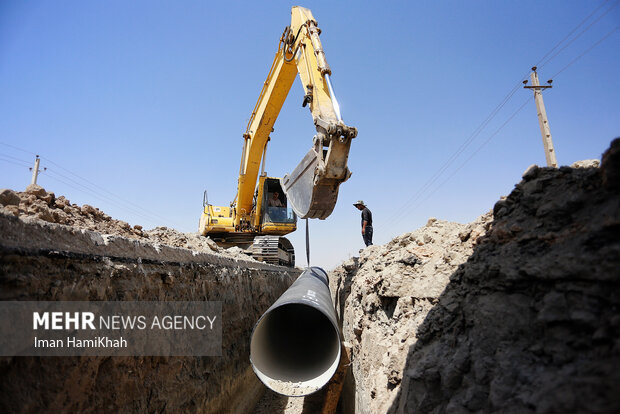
(37, 203)
(9, 197)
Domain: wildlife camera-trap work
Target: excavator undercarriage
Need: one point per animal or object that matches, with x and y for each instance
(275, 250)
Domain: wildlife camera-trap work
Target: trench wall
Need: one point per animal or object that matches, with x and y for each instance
(44, 261)
(514, 313)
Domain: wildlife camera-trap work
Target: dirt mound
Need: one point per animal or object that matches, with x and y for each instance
(518, 314)
(175, 238)
(37, 204)
(390, 289)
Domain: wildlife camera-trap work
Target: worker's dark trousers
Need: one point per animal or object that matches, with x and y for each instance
(368, 236)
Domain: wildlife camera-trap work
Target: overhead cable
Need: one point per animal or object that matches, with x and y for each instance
(579, 34)
(570, 33)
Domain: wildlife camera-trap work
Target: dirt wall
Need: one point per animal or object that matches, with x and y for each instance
(46, 261)
(526, 322)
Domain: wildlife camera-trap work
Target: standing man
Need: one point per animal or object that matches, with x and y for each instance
(366, 222)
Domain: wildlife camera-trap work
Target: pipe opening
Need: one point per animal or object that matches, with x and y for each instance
(295, 349)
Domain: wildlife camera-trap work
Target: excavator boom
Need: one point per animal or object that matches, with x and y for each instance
(256, 220)
(312, 187)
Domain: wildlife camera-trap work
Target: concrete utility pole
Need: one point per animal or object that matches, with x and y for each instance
(35, 170)
(542, 118)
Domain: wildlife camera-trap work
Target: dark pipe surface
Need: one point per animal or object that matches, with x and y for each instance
(295, 345)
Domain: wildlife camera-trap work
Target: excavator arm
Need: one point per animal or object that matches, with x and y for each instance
(312, 187)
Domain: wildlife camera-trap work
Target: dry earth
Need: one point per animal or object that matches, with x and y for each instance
(58, 251)
(385, 294)
(518, 312)
(37, 204)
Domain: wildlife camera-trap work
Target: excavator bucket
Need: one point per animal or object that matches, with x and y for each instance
(312, 187)
(308, 200)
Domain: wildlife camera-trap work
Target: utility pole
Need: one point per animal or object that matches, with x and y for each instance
(35, 170)
(542, 117)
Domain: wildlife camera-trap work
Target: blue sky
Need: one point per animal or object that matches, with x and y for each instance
(138, 107)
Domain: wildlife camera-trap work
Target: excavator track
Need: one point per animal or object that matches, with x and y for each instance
(274, 250)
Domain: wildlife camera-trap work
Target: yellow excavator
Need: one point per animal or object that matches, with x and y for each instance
(266, 208)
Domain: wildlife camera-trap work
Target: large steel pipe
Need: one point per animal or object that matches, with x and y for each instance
(295, 345)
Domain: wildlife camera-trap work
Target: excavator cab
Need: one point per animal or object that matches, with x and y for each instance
(274, 217)
(277, 216)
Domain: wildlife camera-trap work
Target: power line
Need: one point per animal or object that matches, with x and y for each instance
(402, 211)
(16, 159)
(482, 145)
(427, 186)
(111, 198)
(570, 33)
(111, 194)
(479, 148)
(17, 148)
(586, 51)
(14, 162)
(81, 187)
(579, 34)
(53, 177)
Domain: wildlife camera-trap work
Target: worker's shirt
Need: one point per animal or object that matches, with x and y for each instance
(275, 202)
(366, 217)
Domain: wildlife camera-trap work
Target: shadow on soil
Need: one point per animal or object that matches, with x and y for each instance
(531, 322)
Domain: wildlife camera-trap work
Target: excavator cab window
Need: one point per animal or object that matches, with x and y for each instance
(275, 206)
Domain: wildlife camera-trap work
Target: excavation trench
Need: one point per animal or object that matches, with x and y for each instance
(49, 262)
(514, 312)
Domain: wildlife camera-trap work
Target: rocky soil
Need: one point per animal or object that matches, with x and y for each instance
(53, 250)
(518, 312)
(385, 294)
(37, 265)
(37, 204)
